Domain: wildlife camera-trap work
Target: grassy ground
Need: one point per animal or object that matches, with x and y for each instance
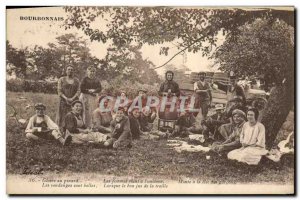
(145, 158)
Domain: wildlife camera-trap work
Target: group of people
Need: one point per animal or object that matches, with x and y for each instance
(81, 120)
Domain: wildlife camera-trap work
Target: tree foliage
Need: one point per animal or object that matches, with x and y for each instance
(261, 48)
(41, 63)
(264, 48)
(16, 60)
(194, 29)
(127, 63)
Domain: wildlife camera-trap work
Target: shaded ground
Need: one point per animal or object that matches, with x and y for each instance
(145, 158)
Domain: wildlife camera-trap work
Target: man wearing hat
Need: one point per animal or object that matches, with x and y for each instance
(231, 133)
(142, 93)
(237, 90)
(169, 87)
(185, 125)
(41, 127)
(203, 95)
(146, 119)
(212, 123)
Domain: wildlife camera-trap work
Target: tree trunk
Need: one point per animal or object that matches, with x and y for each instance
(278, 107)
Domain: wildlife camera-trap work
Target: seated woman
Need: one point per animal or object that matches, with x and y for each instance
(73, 124)
(134, 123)
(226, 130)
(102, 117)
(40, 127)
(121, 133)
(146, 119)
(252, 139)
(233, 141)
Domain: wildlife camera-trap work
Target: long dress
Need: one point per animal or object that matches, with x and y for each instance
(89, 100)
(69, 90)
(254, 136)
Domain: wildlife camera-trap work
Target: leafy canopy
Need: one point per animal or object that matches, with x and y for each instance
(261, 48)
(193, 29)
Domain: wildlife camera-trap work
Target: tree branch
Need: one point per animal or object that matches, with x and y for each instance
(179, 52)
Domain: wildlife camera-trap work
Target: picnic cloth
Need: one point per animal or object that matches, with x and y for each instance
(181, 146)
(282, 148)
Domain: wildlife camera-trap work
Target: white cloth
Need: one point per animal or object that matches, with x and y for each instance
(181, 146)
(92, 137)
(196, 85)
(197, 137)
(254, 137)
(275, 154)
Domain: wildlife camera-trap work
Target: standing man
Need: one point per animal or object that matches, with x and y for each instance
(169, 87)
(237, 90)
(203, 95)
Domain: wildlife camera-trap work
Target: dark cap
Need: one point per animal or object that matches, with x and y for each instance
(91, 68)
(233, 77)
(143, 90)
(121, 108)
(40, 106)
(202, 73)
(76, 101)
(238, 112)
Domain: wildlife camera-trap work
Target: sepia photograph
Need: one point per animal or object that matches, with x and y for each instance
(150, 100)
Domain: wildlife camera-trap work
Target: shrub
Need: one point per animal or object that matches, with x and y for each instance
(19, 85)
(112, 88)
(115, 87)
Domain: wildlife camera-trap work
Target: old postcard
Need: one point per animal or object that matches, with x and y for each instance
(150, 100)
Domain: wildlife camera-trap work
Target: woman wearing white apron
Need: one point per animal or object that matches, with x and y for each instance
(252, 139)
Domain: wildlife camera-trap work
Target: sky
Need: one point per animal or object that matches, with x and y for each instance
(23, 33)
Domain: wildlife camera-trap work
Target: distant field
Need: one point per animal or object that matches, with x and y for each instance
(145, 158)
